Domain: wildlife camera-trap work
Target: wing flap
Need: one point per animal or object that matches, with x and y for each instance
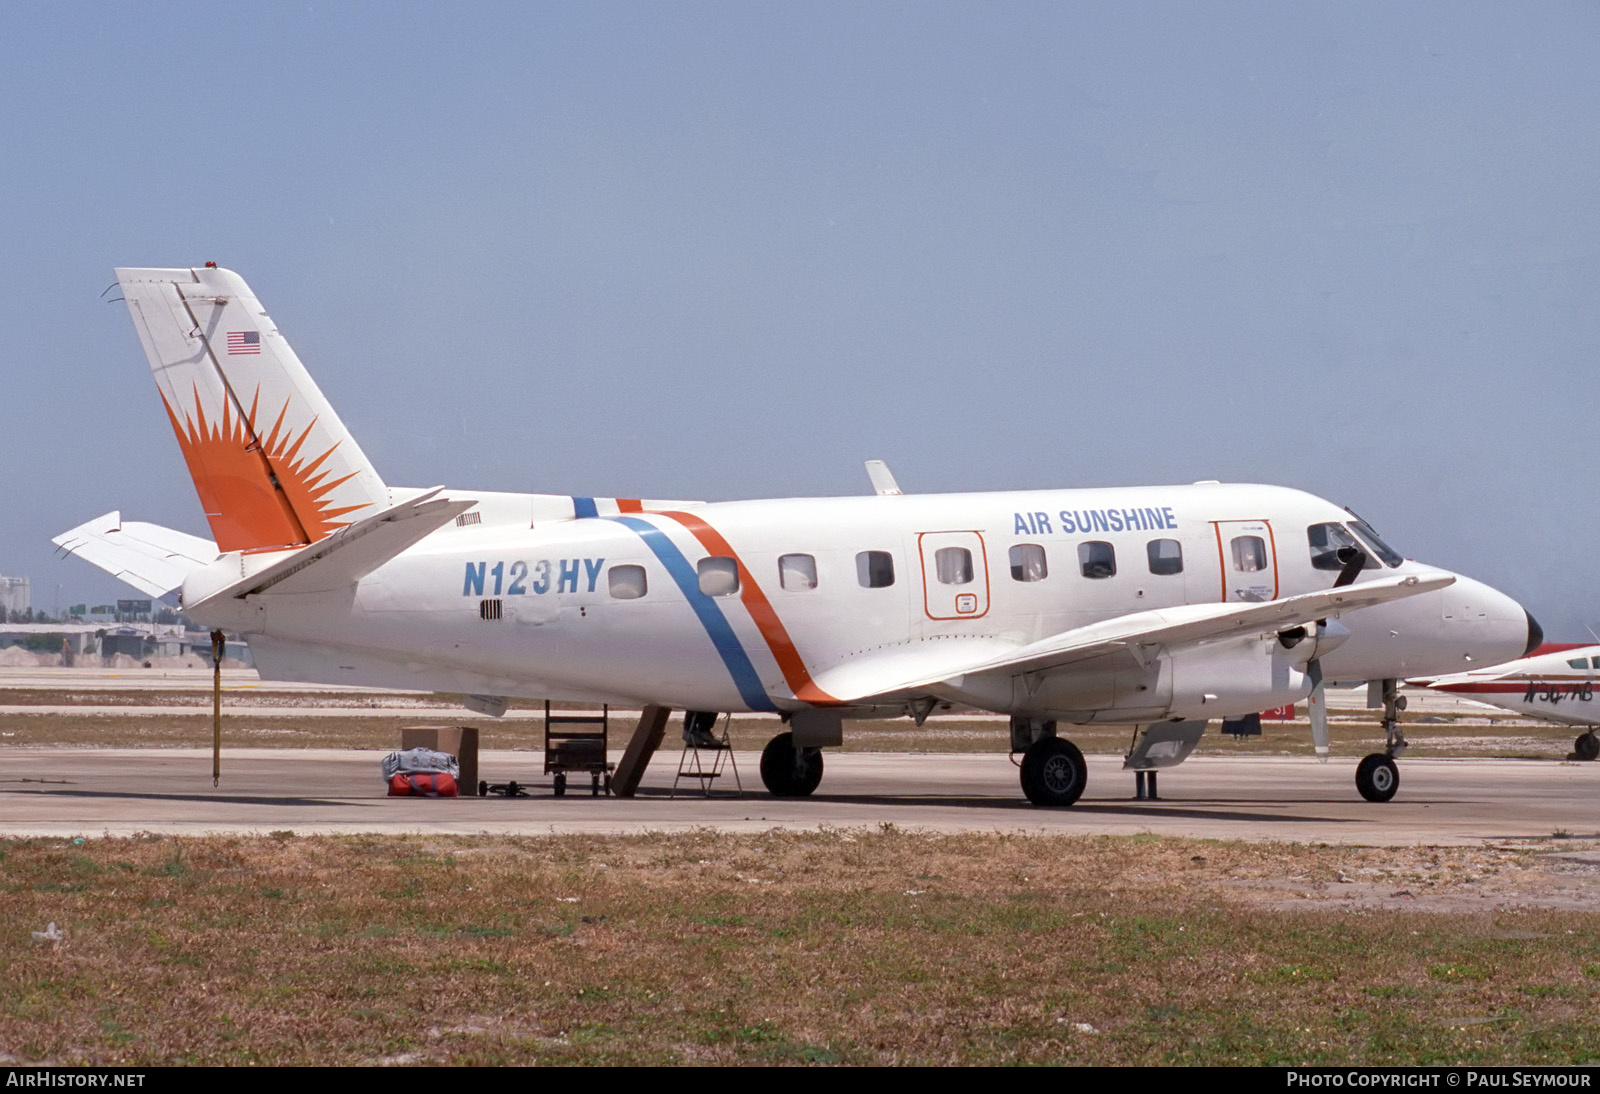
(892, 668)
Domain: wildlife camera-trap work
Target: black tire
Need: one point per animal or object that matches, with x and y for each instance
(483, 789)
(1053, 772)
(1586, 747)
(561, 783)
(1377, 778)
(784, 778)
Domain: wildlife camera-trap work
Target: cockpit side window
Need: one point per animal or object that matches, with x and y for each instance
(1326, 540)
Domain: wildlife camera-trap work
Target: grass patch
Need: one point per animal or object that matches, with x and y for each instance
(868, 947)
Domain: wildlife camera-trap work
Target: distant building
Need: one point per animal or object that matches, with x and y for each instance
(15, 595)
(137, 640)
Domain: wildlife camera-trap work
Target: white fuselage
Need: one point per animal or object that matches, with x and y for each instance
(529, 595)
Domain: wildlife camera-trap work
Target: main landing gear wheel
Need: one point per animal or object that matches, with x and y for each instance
(1053, 772)
(1586, 747)
(1377, 778)
(789, 772)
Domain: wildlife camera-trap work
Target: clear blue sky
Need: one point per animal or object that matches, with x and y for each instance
(732, 250)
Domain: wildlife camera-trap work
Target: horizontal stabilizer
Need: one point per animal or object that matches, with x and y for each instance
(353, 552)
(152, 559)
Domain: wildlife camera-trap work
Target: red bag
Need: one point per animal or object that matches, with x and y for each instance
(423, 785)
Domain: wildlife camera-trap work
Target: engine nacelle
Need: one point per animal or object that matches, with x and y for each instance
(1220, 680)
(1224, 681)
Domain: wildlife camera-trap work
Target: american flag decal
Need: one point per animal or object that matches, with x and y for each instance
(244, 341)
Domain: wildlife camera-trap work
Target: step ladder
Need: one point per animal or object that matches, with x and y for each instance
(693, 764)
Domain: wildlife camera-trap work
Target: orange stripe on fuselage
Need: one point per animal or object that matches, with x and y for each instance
(760, 609)
(629, 505)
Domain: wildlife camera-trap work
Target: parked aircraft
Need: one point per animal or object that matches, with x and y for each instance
(1161, 606)
(1555, 684)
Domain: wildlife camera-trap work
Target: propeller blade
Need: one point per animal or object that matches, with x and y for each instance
(1317, 709)
(1354, 559)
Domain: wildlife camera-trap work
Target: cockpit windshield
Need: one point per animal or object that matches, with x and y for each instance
(1390, 556)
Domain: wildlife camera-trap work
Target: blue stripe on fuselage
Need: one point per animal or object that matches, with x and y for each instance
(709, 612)
(584, 507)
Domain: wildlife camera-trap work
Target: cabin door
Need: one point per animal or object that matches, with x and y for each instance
(1247, 557)
(955, 575)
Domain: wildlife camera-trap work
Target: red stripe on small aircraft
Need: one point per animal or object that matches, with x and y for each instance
(761, 611)
(630, 505)
(1512, 687)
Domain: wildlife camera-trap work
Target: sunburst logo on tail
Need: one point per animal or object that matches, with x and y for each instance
(266, 494)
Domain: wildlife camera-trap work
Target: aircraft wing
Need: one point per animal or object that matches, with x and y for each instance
(888, 670)
(152, 559)
(1132, 639)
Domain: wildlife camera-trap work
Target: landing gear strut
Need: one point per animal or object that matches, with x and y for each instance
(1377, 777)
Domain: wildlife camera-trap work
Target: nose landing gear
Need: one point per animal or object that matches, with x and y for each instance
(1377, 777)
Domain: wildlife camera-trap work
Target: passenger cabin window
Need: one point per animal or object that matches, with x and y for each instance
(1166, 556)
(875, 569)
(797, 572)
(1249, 554)
(1097, 558)
(1326, 541)
(953, 565)
(1027, 563)
(1578, 663)
(718, 576)
(626, 582)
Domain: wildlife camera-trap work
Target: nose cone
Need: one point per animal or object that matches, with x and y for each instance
(1485, 625)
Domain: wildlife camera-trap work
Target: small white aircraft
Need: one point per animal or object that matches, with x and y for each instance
(1557, 685)
(1159, 606)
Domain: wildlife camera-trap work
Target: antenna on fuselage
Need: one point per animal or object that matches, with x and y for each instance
(883, 483)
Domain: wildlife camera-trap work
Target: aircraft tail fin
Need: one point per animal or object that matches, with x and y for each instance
(273, 464)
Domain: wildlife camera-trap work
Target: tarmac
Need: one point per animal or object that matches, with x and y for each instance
(60, 791)
(120, 792)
